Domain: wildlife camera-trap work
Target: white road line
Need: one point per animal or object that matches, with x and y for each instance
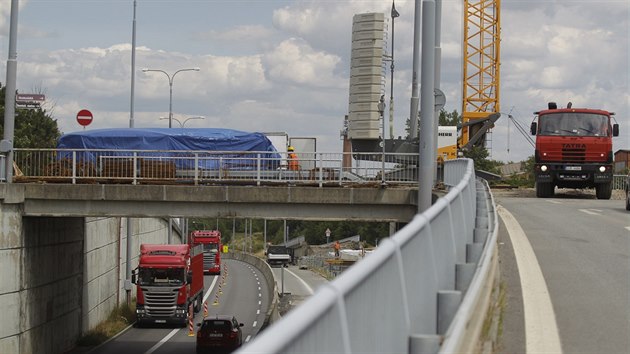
(164, 340)
(172, 333)
(590, 211)
(214, 281)
(255, 323)
(308, 287)
(541, 329)
(258, 312)
(553, 201)
(248, 338)
(628, 228)
(259, 302)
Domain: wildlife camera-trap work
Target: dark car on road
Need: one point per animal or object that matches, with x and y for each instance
(219, 332)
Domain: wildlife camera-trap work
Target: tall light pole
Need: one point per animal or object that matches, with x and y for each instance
(391, 95)
(170, 84)
(182, 124)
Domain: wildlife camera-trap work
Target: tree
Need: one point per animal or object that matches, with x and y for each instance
(479, 155)
(34, 128)
(449, 119)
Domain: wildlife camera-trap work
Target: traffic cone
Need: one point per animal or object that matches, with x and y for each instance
(205, 309)
(191, 330)
(216, 300)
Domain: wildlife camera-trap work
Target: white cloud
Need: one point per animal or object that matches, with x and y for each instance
(294, 62)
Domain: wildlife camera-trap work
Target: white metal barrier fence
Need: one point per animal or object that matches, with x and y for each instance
(403, 297)
(202, 167)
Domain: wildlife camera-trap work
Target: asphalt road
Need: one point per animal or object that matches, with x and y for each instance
(582, 247)
(241, 291)
(298, 285)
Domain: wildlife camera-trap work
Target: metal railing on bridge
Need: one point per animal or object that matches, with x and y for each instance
(207, 167)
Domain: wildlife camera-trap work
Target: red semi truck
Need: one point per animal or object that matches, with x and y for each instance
(574, 149)
(211, 242)
(169, 279)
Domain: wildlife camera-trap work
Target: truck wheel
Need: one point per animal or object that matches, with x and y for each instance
(603, 190)
(544, 190)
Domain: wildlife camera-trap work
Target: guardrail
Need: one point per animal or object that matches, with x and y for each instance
(204, 167)
(416, 293)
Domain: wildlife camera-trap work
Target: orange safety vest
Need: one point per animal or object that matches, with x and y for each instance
(293, 162)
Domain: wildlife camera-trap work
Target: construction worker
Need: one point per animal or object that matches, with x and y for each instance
(337, 248)
(294, 164)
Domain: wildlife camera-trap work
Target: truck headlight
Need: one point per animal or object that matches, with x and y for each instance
(602, 169)
(140, 311)
(543, 168)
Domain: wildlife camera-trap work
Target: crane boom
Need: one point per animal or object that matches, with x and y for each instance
(482, 37)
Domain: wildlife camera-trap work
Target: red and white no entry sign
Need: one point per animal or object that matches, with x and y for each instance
(84, 117)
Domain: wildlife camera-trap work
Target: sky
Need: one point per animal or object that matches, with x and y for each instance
(283, 65)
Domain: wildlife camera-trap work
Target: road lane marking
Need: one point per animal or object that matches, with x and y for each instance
(541, 329)
(308, 288)
(553, 201)
(591, 211)
(248, 338)
(162, 341)
(628, 228)
(255, 323)
(172, 333)
(214, 281)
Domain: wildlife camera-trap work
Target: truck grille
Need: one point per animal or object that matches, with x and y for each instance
(574, 154)
(160, 302)
(208, 260)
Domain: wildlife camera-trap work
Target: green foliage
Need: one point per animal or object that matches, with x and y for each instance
(313, 231)
(34, 128)
(449, 119)
(479, 155)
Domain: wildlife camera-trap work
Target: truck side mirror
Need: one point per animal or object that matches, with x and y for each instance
(189, 278)
(133, 276)
(533, 128)
(615, 129)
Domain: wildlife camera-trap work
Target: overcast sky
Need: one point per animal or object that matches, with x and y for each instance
(271, 65)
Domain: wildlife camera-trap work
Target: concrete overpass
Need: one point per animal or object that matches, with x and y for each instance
(398, 204)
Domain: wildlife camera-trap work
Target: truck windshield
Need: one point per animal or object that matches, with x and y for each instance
(160, 276)
(211, 247)
(574, 124)
(277, 250)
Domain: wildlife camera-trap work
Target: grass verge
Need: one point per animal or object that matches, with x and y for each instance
(118, 319)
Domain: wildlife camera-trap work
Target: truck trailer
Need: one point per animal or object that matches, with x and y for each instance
(169, 279)
(210, 240)
(574, 149)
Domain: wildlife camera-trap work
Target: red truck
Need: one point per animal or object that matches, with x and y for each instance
(574, 149)
(211, 242)
(169, 278)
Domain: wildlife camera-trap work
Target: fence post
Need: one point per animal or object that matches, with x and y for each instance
(258, 164)
(321, 170)
(135, 168)
(74, 166)
(196, 171)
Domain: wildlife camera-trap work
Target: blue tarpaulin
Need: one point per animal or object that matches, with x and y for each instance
(182, 144)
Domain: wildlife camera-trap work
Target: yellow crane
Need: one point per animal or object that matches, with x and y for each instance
(481, 69)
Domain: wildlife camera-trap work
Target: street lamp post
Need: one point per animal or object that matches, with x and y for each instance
(181, 125)
(170, 84)
(170, 120)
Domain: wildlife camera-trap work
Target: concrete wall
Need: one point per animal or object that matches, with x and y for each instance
(106, 261)
(11, 249)
(42, 277)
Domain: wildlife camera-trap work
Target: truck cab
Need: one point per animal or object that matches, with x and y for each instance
(573, 150)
